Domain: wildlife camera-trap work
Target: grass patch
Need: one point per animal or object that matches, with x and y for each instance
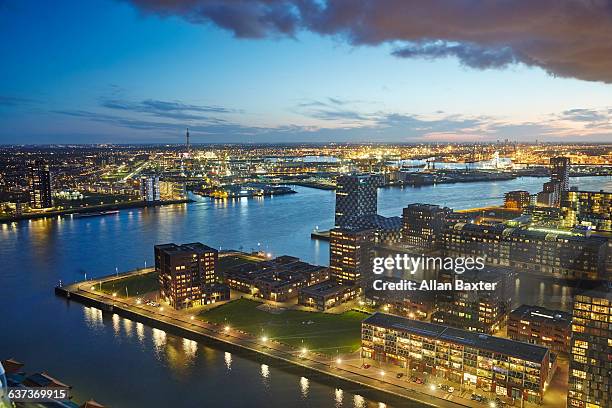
(328, 334)
(136, 285)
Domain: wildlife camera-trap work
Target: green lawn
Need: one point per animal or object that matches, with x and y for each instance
(329, 333)
(136, 285)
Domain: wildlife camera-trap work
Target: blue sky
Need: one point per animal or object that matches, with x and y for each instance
(107, 71)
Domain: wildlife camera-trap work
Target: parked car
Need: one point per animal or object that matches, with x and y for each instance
(399, 375)
(451, 389)
(366, 366)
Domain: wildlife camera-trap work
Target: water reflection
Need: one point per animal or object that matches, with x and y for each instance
(93, 318)
(265, 374)
(190, 348)
(116, 324)
(140, 332)
(227, 357)
(159, 339)
(338, 397)
(304, 386)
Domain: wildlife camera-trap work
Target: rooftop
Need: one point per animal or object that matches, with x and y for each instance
(525, 351)
(541, 314)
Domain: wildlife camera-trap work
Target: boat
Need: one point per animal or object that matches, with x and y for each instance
(96, 214)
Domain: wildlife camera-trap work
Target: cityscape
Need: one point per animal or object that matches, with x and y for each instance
(207, 247)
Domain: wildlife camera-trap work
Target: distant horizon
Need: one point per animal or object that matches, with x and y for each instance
(356, 143)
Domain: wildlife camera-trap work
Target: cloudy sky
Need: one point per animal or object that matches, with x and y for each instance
(142, 71)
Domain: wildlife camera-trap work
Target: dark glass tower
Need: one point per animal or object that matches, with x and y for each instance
(355, 197)
(39, 179)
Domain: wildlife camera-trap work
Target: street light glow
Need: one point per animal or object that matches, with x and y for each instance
(382, 373)
(226, 328)
(338, 361)
(192, 317)
(432, 387)
(114, 294)
(264, 338)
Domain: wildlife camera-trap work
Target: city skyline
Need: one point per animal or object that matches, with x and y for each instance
(143, 71)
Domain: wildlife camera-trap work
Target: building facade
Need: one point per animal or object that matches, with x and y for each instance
(356, 196)
(476, 311)
(556, 253)
(517, 200)
(351, 255)
(149, 188)
(588, 208)
(497, 365)
(326, 295)
(538, 325)
(188, 275)
(40, 185)
(590, 371)
(422, 224)
(559, 171)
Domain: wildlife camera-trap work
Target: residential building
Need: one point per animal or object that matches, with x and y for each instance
(541, 251)
(40, 185)
(422, 224)
(587, 208)
(559, 171)
(277, 279)
(516, 200)
(326, 295)
(590, 370)
(188, 275)
(476, 311)
(356, 196)
(149, 188)
(350, 255)
(538, 325)
(494, 364)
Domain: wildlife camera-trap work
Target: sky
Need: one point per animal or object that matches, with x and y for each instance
(142, 71)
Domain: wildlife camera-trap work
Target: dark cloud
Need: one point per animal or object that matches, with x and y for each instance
(567, 38)
(470, 55)
(167, 109)
(585, 115)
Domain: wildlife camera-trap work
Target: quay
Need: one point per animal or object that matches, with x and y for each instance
(349, 374)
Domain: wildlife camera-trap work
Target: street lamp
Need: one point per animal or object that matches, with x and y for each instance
(432, 387)
(226, 328)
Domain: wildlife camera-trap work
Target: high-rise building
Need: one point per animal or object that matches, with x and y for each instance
(356, 196)
(39, 179)
(516, 200)
(589, 208)
(188, 275)
(538, 325)
(503, 367)
(350, 255)
(590, 370)
(559, 171)
(475, 311)
(149, 188)
(422, 224)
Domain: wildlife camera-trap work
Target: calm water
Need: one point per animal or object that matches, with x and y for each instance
(125, 364)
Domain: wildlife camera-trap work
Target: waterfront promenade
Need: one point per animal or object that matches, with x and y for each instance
(345, 368)
(184, 325)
